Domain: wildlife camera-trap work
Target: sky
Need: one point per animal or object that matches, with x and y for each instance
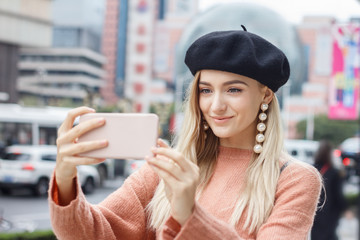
(294, 10)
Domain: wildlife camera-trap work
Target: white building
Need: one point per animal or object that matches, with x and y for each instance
(22, 23)
(55, 74)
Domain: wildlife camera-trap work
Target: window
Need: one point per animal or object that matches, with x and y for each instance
(294, 153)
(309, 153)
(140, 47)
(139, 68)
(47, 135)
(17, 156)
(15, 133)
(49, 157)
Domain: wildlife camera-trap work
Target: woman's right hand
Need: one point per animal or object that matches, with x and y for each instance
(68, 150)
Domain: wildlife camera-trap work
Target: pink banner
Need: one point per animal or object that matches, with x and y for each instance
(345, 77)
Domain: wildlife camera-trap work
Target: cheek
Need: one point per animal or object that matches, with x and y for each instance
(248, 109)
(203, 105)
(254, 111)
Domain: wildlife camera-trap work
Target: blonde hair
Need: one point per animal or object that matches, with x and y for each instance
(258, 194)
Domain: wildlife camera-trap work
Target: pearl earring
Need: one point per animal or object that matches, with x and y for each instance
(206, 126)
(260, 137)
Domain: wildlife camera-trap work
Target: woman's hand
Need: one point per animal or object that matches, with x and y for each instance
(181, 177)
(68, 149)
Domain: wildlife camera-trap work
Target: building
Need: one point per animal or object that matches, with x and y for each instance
(70, 73)
(23, 23)
(168, 31)
(139, 41)
(110, 91)
(315, 34)
(78, 24)
(60, 76)
(332, 79)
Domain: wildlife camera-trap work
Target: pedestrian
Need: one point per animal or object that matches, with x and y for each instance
(227, 177)
(332, 201)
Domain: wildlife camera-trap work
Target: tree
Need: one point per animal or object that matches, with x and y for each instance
(333, 130)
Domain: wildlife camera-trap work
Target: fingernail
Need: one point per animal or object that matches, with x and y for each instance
(103, 142)
(153, 149)
(101, 121)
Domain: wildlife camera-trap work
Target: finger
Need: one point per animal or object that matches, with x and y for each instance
(174, 155)
(169, 179)
(166, 159)
(78, 148)
(79, 130)
(72, 115)
(167, 166)
(82, 160)
(162, 143)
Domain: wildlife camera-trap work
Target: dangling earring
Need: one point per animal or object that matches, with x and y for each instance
(205, 125)
(260, 137)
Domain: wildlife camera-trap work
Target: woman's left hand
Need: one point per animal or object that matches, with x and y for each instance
(181, 177)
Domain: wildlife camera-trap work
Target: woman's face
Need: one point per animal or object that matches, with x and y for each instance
(230, 104)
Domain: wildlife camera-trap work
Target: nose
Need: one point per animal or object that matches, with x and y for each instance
(218, 104)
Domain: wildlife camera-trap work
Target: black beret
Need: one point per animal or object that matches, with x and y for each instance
(242, 53)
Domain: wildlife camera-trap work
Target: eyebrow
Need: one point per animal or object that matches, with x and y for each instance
(226, 83)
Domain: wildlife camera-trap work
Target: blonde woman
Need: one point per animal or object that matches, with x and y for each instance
(227, 177)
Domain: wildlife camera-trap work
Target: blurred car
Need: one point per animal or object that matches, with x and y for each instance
(132, 166)
(31, 167)
(106, 170)
(349, 151)
(304, 150)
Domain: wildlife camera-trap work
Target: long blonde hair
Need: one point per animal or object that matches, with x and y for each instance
(258, 194)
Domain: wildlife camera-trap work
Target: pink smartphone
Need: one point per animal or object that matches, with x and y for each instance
(130, 135)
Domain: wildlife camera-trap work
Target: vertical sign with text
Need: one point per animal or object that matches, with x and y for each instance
(345, 77)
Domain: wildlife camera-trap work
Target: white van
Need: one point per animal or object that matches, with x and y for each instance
(303, 150)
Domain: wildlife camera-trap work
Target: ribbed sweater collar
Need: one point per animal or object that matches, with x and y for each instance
(234, 153)
(232, 160)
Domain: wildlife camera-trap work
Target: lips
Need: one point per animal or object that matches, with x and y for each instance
(220, 120)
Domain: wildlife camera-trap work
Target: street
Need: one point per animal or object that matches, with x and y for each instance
(30, 213)
(27, 212)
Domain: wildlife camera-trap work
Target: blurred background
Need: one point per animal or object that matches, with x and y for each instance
(128, 56)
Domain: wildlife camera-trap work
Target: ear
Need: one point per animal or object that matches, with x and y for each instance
(268, 96)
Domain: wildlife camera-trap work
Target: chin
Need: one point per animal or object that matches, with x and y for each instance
(222, 134)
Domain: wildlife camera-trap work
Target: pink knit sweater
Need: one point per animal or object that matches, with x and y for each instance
(122, 216)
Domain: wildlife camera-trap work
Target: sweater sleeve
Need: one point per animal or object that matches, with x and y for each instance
(295, 205)
(121, 215)
(291, 217)
(201, 226)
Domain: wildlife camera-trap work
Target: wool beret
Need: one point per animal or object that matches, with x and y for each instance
(240, 52)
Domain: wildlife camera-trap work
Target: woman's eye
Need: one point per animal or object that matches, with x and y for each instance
(205, 90)
(234, 90)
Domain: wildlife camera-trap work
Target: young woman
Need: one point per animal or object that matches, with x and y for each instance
(228, 176)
